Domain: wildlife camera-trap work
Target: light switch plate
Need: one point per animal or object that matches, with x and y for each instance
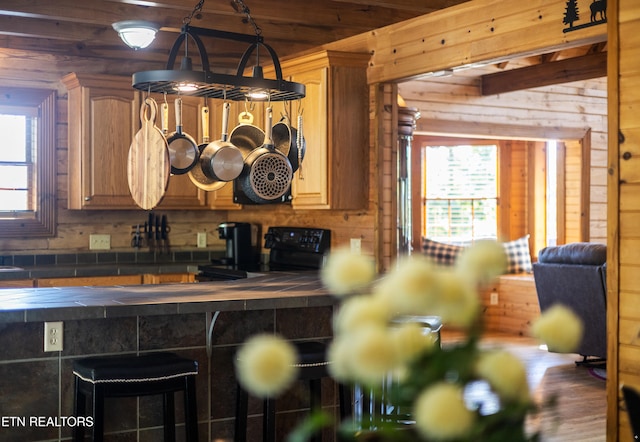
(356, 246)
(202, 240)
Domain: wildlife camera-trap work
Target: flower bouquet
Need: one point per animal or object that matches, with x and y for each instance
(372, 345)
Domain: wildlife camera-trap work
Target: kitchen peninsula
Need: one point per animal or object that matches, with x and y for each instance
(204, 321)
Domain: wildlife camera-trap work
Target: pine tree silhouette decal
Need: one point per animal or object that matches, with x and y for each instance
(571, 13)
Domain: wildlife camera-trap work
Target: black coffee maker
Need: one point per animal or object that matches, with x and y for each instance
(240, 253)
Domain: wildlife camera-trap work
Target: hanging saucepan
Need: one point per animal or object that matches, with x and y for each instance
(196, 175)
(245, 136)
(221, 160)
(285, 139)
(267, 172)
(183, 150)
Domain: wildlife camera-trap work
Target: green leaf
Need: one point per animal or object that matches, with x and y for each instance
(312, 424)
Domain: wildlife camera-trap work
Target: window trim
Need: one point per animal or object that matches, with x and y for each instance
(41, 222)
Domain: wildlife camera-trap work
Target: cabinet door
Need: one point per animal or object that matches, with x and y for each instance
(16, 283)
(167, 278)
(310, 185)
(80, 281)
(104, 116)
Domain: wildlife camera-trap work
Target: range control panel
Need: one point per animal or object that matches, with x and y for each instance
(302, 239)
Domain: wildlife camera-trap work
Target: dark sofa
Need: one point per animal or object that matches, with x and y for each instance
(575, 275)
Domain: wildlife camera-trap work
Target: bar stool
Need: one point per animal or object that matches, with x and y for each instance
(312, 368)
(125, 376)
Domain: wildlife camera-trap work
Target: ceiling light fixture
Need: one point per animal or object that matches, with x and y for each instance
(137, 34)
(206, 83)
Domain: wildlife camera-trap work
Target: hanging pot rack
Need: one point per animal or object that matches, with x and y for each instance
(205, 83)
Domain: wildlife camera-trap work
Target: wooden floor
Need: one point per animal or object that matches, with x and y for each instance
(582, 402)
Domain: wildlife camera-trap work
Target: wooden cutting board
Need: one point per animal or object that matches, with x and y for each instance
(148, 166)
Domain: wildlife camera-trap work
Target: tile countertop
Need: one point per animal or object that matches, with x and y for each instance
(69, 271)
(272, 290)
(82, 264)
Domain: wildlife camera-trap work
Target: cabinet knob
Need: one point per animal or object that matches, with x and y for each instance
(87, 198)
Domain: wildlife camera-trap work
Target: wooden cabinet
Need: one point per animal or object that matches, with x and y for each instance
(166, 278)
(16, 283)
(80, 281)
(88, 281)
(103, 118)
(335, 126)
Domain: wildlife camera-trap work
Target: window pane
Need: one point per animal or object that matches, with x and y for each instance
(14, 177)
(12, 200)
(13, 146)
(461, 193)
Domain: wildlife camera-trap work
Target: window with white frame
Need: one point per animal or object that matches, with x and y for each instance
(17, 155)
(27, 162)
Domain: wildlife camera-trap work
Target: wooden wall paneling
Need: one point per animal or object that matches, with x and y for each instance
(614, 200)
(380, 158)
(536, 195)
(505, 199)
(517, 306)
(418, 185)
(561, 220)
(518, 207)
(575, 210)
(624, 203)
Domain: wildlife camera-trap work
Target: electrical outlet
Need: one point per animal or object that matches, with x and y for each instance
(202, 240)
(494, 298)
(99, 242)
(356, 245)
(53, 336)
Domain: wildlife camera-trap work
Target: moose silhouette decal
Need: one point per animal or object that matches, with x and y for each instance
(571, 15)
(598, 7)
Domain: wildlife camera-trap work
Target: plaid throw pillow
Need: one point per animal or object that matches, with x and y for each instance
(439, 252)
(518, 255)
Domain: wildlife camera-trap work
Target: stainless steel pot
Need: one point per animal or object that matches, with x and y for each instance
(221, 160)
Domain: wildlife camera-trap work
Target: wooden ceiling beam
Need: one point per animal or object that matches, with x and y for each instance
(407, 5)
(550, 57)
(84, 28)
(563, 71)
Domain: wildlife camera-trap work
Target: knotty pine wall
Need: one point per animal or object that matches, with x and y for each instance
(455, 105)
(623, 259)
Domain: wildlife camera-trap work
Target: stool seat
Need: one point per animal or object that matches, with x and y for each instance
(144, 368)
(312, 367)
(124, 376)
